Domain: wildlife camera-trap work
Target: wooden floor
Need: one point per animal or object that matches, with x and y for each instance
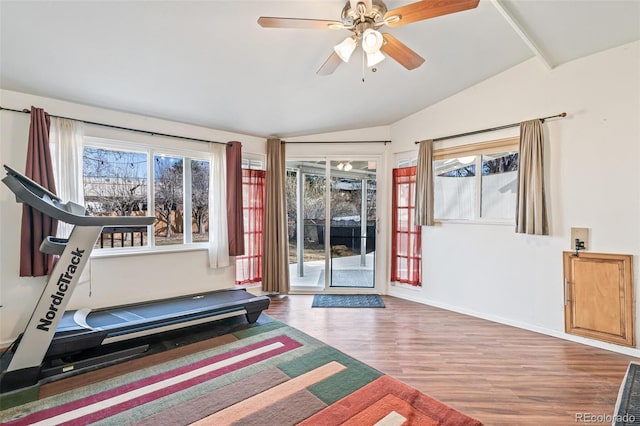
(498, 374)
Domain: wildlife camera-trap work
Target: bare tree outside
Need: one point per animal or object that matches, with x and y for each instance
(115, 182)
(168, 185)
(500, 164)
(200, 198)
(345, 202)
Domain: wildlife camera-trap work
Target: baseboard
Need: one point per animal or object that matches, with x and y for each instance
(525, 326)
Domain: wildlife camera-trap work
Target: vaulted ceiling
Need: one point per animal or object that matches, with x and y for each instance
(209, 63)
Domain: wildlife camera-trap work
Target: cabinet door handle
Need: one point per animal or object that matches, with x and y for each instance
(566, 291)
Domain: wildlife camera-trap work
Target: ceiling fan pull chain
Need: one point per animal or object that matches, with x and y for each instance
(363, 67)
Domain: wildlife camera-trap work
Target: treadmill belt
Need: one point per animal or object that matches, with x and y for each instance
(127, 315)
(166, 308)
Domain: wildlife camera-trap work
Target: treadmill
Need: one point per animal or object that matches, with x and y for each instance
(59, 342)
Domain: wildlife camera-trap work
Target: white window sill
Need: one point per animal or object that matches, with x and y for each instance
(138, 251)
(475, 222)
(406, 286)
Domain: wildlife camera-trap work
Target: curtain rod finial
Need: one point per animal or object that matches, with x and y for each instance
(564, 114)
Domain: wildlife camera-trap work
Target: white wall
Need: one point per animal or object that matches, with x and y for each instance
(593, 181)
(111, 280)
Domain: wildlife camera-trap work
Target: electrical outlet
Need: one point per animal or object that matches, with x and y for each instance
(582, 234)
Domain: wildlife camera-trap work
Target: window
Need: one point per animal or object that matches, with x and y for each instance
(407, 162)
(168, 183)
(476, 182)
(406, 249)
(200, 200)
(253, 163)
(117, 183)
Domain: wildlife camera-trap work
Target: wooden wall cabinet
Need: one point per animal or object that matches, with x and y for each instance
(599, 299)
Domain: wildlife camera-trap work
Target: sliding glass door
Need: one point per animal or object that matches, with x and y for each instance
(331, 207)
(353, 224)
(306, 213)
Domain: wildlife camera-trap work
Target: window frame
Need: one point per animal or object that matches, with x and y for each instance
(151, 151)
(477, 150)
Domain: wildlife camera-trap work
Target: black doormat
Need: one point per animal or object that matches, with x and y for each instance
(627, 411)
(347, 301)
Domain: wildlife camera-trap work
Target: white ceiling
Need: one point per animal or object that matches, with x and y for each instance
(209, 63)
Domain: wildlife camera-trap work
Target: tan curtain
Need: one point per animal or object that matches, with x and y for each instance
(531, 208)
(275, 243)
(424, 184)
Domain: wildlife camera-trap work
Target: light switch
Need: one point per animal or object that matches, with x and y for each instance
(582, 234)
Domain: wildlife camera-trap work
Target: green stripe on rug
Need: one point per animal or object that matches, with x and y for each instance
(20, 397)
(338, 386)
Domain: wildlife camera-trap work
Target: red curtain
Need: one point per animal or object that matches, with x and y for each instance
(249, 265)
(234, 199)
(406, 256)
(35, 225)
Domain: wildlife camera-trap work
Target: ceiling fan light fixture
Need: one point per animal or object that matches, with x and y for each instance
(374, 58)
(371, 41)
(345, 48)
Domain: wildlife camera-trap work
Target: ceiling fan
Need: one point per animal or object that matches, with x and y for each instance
(363, 18)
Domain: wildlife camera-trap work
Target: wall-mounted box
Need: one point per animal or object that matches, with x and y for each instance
(581, 234)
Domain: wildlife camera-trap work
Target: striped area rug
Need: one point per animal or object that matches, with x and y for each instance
(272, 374)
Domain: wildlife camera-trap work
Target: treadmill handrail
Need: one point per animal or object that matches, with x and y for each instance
(29, 192)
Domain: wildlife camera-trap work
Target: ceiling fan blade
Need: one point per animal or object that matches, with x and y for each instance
(314, 24)
(400, 52)
(330, 65)
(426, 9)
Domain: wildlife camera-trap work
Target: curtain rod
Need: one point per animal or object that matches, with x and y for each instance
(384, 142)
(475, 132)
(111, 126)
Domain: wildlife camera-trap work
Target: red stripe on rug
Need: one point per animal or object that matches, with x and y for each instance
(287, 342)
(369, 395)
